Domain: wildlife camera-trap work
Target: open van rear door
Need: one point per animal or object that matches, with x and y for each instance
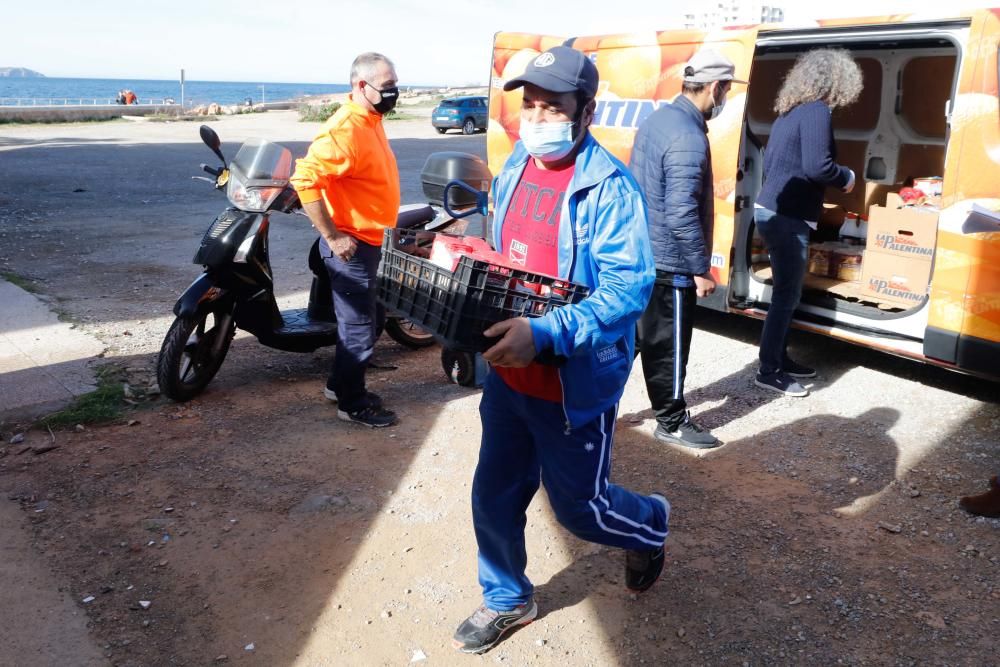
(639, 72)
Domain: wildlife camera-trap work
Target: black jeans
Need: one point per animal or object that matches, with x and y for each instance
(787, 241)
(353, 286)
(664, 342)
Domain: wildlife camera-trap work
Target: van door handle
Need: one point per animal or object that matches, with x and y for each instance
(742, 203)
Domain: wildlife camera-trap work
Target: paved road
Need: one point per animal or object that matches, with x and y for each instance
(104, 218)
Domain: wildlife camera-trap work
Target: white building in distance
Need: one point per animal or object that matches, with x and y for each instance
(732, 12)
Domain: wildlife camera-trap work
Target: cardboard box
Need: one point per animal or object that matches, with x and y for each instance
(876, 195)
(906, 232)
(898, 280)
(899, 253)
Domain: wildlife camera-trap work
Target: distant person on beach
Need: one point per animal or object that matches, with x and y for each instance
(348, 184)
(130, 97)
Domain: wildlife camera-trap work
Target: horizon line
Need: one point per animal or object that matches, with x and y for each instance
(257, 83)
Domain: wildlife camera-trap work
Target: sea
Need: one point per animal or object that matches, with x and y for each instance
(51, 90)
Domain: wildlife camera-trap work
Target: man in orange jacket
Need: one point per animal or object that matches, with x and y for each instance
(348, 184)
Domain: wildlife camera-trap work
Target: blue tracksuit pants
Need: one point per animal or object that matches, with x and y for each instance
(524, 443)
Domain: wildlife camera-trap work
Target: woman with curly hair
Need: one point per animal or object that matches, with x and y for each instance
(799, 162)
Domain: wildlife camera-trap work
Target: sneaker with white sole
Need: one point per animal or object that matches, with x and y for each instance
(481, 631)
(797, 370)
(371, 398)
(782, 383)
(373, 416)
(644, 566)
(686, 434)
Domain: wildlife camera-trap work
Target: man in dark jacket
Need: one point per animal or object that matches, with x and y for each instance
(673, 165)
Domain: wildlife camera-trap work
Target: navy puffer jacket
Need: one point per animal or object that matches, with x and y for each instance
(673, 166)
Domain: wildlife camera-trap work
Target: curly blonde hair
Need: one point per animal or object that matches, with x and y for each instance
(830, 75)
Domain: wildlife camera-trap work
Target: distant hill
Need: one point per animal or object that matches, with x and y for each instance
(22, 72)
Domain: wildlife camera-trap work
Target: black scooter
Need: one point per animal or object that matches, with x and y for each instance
(236, 288)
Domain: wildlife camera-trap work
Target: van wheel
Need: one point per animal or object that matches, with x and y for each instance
(440, 130)
(469, 127)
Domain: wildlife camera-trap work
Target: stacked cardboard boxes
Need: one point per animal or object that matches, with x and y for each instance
(899, 252)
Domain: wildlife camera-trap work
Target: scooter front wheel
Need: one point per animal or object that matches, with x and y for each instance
(407, 334)
(192, 352)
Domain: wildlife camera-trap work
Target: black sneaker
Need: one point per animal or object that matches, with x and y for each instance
(643, 567)
(797, 370)
(376, 417)
(781, 383)
(481, 631)
(371, 398)
(686, 434)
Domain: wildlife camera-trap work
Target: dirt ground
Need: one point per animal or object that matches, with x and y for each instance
(250, 526)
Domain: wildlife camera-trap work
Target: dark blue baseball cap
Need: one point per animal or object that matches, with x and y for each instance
(561, 69)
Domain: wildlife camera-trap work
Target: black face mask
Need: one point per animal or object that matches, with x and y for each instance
(387, 99)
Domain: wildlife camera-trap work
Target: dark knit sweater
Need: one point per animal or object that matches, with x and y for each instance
(800, 161)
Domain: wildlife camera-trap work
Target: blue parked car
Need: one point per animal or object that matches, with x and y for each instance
(466, 113)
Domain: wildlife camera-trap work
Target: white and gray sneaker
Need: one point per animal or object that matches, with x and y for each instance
(686, 434)
(485, 627)
(781, 382)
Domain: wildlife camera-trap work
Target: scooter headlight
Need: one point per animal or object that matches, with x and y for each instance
(254, 199)
(258, 175)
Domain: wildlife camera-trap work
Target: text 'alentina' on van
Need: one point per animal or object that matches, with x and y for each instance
(909, 261)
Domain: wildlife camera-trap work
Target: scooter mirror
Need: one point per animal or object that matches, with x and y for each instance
(212, 140)
(481, 206)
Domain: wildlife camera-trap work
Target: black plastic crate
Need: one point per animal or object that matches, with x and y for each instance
(456, 307)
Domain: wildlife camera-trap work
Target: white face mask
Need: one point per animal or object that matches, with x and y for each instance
(548, 142)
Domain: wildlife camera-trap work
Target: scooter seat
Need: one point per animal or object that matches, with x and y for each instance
(412, 215)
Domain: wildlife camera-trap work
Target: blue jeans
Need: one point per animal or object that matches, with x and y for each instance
(524, 443)
(353, 286)
(787, 241)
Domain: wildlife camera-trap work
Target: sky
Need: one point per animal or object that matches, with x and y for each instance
(314, 41)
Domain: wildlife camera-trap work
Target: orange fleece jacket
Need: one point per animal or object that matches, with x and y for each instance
(352, 169)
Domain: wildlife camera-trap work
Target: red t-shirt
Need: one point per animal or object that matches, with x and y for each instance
(530, 239)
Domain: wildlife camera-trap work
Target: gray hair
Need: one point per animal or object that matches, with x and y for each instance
(830, 75)
(364, 65)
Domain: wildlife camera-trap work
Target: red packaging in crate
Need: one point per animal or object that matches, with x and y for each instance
(438, 284)
(447, 250)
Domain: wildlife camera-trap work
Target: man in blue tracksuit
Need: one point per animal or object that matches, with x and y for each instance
(564, 206)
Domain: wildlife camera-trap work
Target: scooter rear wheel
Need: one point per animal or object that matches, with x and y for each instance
(459, 367)
(407, 334)
(192, 352)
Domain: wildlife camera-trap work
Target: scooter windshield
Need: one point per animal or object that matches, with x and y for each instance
(258, 174)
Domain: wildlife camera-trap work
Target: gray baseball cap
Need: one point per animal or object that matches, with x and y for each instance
(707, 66)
